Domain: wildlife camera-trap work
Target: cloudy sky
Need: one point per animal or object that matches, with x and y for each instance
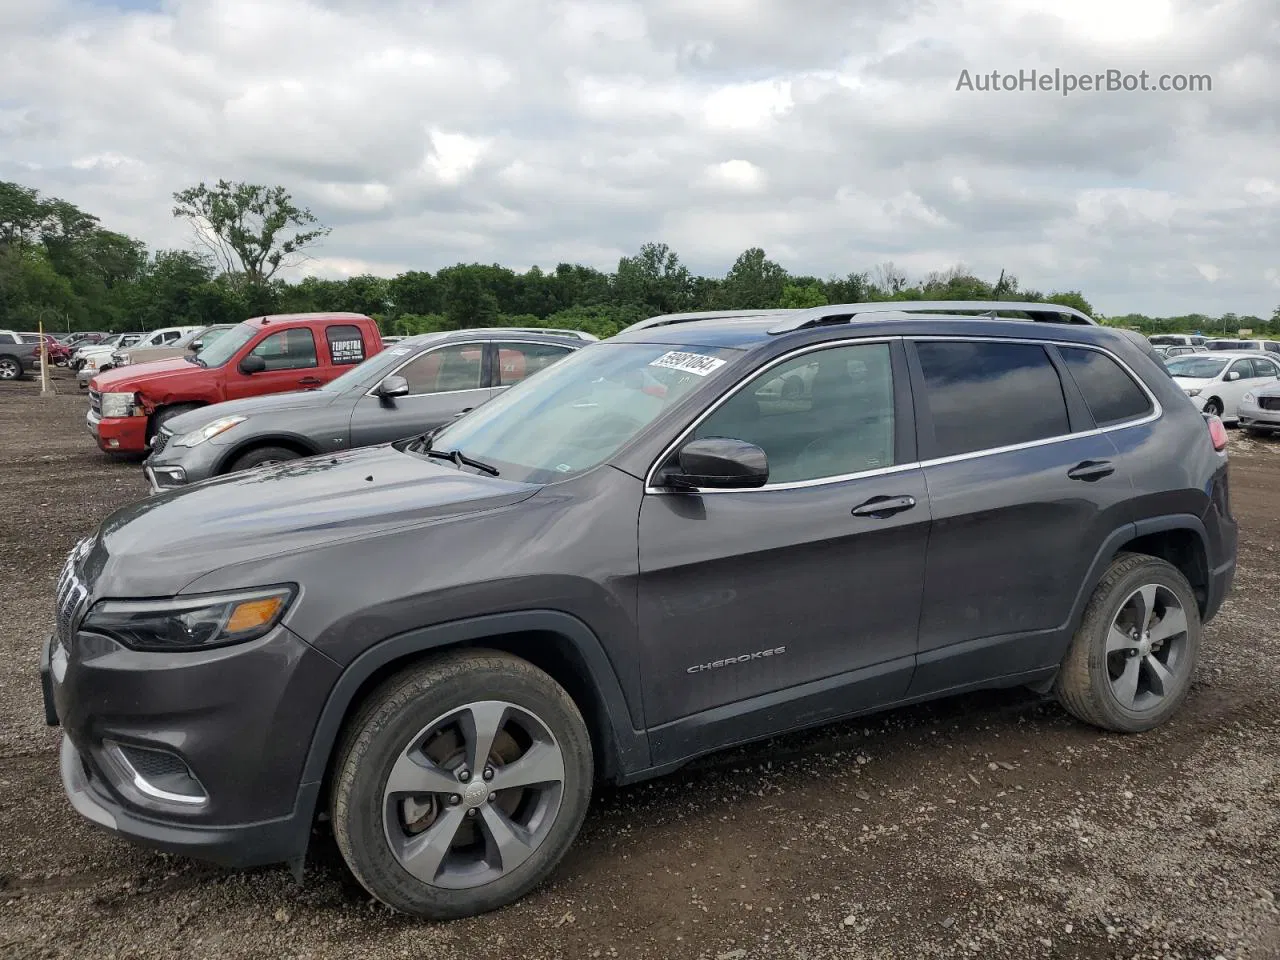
(829, 132)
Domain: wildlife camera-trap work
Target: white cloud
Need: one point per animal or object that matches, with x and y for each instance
(535, 131)
(737, 175)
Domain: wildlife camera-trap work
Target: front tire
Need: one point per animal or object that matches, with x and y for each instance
(165, 414)
(1213, 407)
(460, 784)
(1130, 664)
(10, 368)
(261, 457)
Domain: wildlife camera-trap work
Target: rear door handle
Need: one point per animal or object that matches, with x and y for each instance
(1091, 470)
(882, 507)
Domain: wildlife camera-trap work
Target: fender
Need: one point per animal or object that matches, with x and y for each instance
(1113, 543)
(291, 439)
(629, 747)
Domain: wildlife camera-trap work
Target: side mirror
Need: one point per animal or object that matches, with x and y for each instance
(1233, 375)
(252, 364)
(393, 386)
(195, 346)
(718, 462)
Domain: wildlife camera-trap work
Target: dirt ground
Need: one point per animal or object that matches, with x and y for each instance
(987, 826)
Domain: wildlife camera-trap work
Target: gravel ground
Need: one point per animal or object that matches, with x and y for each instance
(990, 825)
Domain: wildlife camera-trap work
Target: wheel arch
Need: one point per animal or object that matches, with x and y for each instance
(301, 445)
(559, 644)
(1180, 539)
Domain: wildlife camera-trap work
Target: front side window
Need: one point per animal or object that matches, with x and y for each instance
(1110, 393)
(986, 395)
(454, 367)
(582, 410)
(823, 414)
(516, 361)
(292, 349)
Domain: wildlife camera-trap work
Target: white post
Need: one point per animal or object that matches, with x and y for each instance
(44, 363)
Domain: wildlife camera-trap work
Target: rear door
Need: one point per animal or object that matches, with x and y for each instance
(444, 382)
(1024, 491)
(292, 360)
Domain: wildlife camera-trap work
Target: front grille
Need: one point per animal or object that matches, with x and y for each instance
(95, 401)
(1269, 403)
(160, 440)
(70, 594)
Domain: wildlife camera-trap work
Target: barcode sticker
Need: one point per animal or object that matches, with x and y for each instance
(695, 363)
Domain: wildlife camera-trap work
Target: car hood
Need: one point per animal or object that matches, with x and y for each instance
(1191, 382)
(130, 379)
(158, 546)
(250, 406)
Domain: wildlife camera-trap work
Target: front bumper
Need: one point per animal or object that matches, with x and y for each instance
(118, 434)
(239, 718)
(1251, 415)
(172, 467)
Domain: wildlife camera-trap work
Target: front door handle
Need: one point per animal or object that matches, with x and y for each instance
(1091, 470)
(882, 507)
(310, 382)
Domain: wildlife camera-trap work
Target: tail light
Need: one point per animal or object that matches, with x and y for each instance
(1217, 433)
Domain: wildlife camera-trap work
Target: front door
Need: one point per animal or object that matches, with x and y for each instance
(796, 602)
(443, 383)
(292, 364)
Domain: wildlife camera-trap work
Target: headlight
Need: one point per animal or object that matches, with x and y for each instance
(208, 431)
(118, 405)
(1193, 391)
(119, 359)
(190, 623)
(91, 363)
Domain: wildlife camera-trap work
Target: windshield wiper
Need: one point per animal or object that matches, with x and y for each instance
(458, 458)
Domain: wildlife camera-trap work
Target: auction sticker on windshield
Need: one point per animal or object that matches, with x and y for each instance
(688, 362)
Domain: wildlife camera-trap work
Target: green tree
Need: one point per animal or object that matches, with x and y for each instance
(797, 295)
(248, 228)
(753, 282)
(655, 279)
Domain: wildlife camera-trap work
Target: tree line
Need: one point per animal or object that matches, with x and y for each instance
(59, 265)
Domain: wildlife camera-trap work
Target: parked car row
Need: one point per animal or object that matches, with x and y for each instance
(707, 530)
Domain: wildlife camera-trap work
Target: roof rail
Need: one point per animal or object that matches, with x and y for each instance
(552, 331)
(669, 318)
(844, 312)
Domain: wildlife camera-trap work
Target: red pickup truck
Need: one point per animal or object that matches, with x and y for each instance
(275, 354)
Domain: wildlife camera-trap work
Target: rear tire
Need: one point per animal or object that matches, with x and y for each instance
(471, 851)
(1117, 677)
(261, 457)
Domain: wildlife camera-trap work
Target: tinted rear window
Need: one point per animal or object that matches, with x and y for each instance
(1111, 394)
(987, 395)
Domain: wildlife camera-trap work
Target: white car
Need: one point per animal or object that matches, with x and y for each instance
(1217, 382)
(102, 356)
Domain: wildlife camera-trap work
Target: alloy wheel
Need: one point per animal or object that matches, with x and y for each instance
(8, 369)
(473, 795)
(1147, 648)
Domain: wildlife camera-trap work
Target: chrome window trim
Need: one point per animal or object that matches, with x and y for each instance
(1156, 412)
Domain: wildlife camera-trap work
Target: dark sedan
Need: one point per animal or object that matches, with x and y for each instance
(408, 388)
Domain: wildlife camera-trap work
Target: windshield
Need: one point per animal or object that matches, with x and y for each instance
(216, 354)
(575, 414)
(1196, 368)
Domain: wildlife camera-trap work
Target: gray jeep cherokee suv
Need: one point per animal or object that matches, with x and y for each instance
(703, 531)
